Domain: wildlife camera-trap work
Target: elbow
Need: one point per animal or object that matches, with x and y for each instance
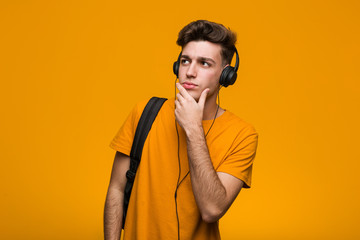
(212, 216)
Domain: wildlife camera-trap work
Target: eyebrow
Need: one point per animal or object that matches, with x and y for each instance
(200, 58)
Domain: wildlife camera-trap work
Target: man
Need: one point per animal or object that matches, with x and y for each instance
(197, 156)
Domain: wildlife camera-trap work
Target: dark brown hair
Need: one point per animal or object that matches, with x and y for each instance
(209, 31)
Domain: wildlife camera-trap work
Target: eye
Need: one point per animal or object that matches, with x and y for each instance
(184, 61)
(206, 64)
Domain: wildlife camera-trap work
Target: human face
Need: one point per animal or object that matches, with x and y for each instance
(200, 68)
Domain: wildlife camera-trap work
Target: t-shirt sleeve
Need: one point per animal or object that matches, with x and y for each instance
(239, 162)
(123, 139)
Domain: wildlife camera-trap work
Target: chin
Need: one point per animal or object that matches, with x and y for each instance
(194, 95)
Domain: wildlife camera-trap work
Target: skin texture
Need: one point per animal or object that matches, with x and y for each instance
(201, 65)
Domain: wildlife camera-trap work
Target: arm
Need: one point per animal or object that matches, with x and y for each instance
(213, 192)
(113, 211)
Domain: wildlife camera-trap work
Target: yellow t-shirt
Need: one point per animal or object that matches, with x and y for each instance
(151, 213)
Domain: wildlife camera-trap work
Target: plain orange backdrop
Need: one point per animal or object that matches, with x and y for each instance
(71, 71)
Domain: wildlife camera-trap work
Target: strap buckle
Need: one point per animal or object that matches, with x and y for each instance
(130, 176)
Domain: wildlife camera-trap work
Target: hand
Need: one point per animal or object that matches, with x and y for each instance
(188, 112)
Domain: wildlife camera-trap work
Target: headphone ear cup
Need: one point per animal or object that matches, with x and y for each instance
(228, 76)
(176, 65)
(176, 68)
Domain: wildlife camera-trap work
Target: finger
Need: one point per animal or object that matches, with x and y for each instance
(177, 104)
(180, 98)
(182, 91)
(202, 98)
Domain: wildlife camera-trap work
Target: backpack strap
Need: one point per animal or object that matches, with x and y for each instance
(144, 125)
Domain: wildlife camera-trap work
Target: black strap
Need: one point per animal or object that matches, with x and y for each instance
(146, 120)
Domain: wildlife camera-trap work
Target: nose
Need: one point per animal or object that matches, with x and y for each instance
(191, 71)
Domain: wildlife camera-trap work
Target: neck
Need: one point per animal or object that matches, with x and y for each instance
(210, 109)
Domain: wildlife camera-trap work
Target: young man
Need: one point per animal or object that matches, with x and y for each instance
(197, 156)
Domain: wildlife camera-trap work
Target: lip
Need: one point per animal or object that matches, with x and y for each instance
(188, 85)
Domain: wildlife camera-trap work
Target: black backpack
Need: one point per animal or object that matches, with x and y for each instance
(146, 120)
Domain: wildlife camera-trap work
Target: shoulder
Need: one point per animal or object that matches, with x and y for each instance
(238, 124)
(140, 106)
(239, 132)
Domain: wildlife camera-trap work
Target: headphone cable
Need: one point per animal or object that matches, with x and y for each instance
(178, 154)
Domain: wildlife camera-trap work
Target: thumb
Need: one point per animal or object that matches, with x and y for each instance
(202, 98)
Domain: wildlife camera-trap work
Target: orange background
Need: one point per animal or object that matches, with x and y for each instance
(71, 71)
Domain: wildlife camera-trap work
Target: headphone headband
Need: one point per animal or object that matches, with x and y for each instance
(237, 63)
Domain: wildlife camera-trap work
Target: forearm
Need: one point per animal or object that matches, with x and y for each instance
(208, 190)
(113, 214)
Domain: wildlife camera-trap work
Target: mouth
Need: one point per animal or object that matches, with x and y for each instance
(189, 85)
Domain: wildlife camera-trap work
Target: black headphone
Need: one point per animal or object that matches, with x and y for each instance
(227, 77)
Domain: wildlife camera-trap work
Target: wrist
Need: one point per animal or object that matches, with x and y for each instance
(194, 131)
